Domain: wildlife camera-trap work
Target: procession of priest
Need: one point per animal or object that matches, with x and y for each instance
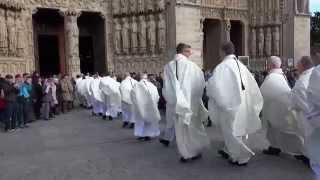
(236, 104)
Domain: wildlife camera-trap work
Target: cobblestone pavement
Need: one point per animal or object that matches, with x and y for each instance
(77, 146)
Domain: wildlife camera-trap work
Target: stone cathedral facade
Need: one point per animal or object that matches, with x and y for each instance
(73, 36)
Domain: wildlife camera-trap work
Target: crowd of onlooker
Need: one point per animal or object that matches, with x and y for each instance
(28, 97)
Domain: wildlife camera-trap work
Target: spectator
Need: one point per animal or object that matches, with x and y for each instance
(67, 93)
(37, 96)
(25, 95)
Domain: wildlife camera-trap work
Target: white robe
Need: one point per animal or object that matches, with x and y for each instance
(96, 96)
(234, 109)
(127, 108)
(281, 122)
(299, 102)
(79, 91)
(185, 108)
(112, 96)
(313, 116)
(86, 90)
(145, 98)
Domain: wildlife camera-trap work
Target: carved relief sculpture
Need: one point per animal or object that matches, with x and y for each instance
(3, 33)
(142, 35)
(276, 41)
(125, 36)
(151, 35)
(12, 36)
(161, 33)
(21, 40)
(117, 37)
(116, 6)
(253, 42)
(134, 35)
(149, 5)
(132, 6)
(260, 42)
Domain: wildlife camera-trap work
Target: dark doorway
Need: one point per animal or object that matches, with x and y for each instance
(48, 26)
(48, 55)
(86, 54)
(92, 50)
(211, 44)
(236, 36)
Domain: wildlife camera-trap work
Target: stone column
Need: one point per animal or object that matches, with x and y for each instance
(72, 41)
(226, 30)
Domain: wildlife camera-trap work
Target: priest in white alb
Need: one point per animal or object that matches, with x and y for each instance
(87, 92)
(183, 89)
(145, 98)
(280, 121)
(96, 96)
(235, 103)
(313, 116)
(299, 101)
(110, 88)
(126, 87)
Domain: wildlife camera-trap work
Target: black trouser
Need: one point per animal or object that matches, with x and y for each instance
(37, 108)
(25, 105)
(10, 115)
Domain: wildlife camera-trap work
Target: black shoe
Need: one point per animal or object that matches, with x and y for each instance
(147, 138)
(104, 117)
(164, 142)
(140, 138)
(209, 123)
(125, 124)
(272, 151)
(100, 114)
(110, 118)
(223, 154)
(304, 159)
(236, 163)
(131, 126)
(183, 160)
(199, 156)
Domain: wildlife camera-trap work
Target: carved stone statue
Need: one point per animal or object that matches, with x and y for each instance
(116, 6)
(125, 36)
(117, 37)
(253, 42)
(161, 33)
(21, 35)
(124, 6)
(161, 5)
(3, 33)
(134, 35)
(12, 33)
(132, 6)
(276, 41)
(268, 39)
(151, 34)
(302, 6)
(142, 35)
(260, 42)
(140, 6)
(149, 5)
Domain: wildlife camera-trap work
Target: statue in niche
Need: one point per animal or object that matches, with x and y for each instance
(72, 36)
(21, 35)
(142, 35)
(140, 6)
(116, 6)
(3, 33)
(134, 35)
(268, 39)
(124, 6)
(125, 36)
(12, 33)
(161, 33)
(260, 42)
(302, 6)
(151, 34)
(117, 37)
(253, 42)
(161, 5)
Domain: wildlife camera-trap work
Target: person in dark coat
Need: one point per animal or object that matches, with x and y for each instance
(37, 96)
